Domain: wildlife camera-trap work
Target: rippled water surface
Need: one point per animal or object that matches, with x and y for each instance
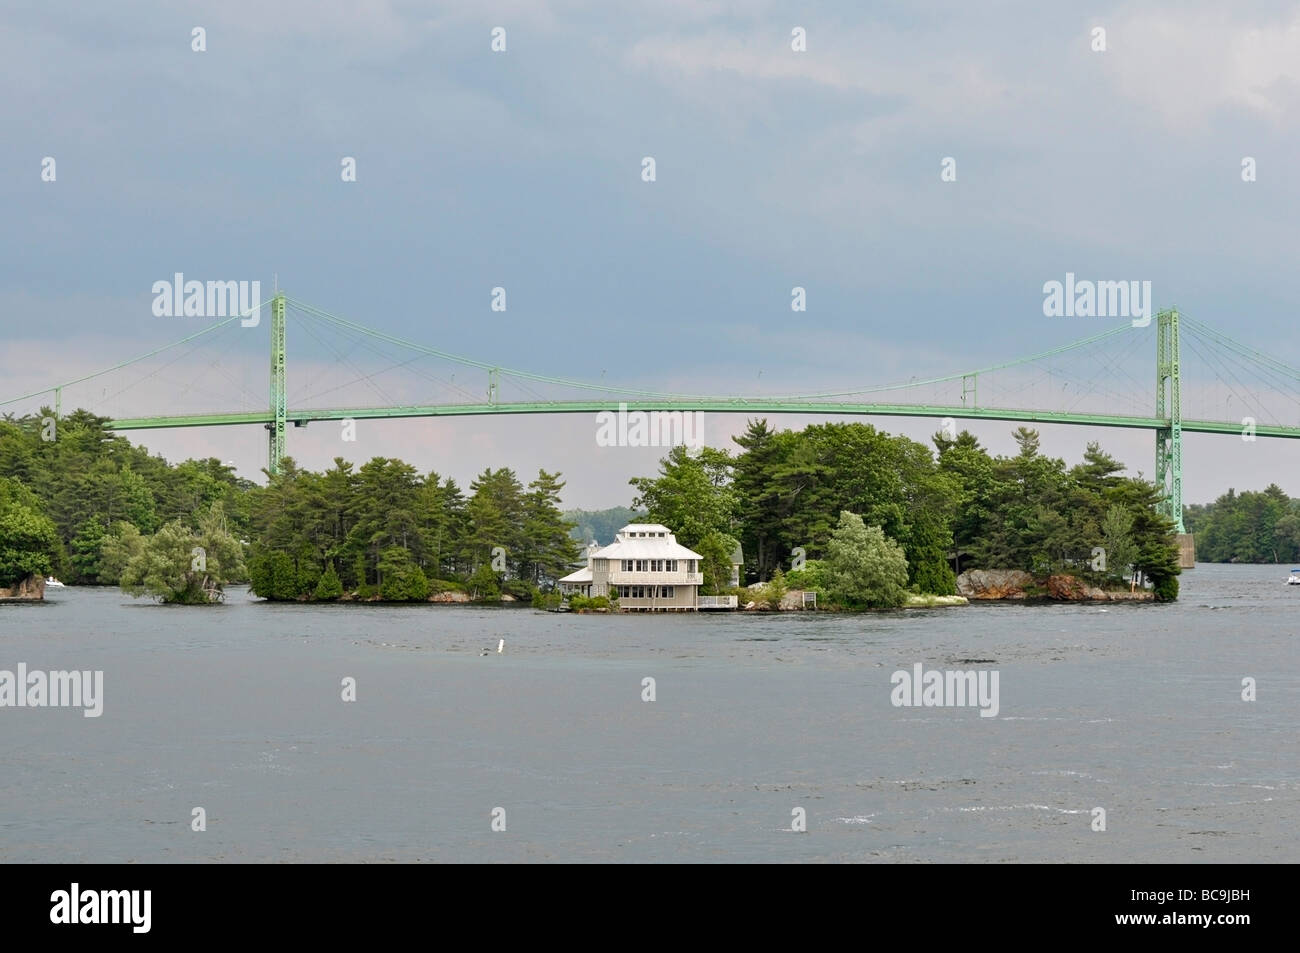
(237, 709)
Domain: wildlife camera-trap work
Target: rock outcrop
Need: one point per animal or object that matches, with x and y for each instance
(451, 595)
(1074, 589)
(1017, 584)
(29, 589)
(994, 583)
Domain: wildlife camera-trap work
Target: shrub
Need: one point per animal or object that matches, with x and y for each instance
(1166, 588)
(864, 566)
(772, 592)
(547, 600)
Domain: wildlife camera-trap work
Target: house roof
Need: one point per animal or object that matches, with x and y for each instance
(582, 575)
(645, 541)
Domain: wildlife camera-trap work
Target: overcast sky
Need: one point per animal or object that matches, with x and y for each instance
(523, 169)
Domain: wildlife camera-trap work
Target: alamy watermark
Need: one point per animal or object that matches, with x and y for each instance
(945, 689)
(1098, 299)
(655, 428)
(213, 299)
(129, 907)
(36, 689)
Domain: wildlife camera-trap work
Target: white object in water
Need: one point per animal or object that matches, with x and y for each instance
(1294, 578)
(501, 646)
(52, 583)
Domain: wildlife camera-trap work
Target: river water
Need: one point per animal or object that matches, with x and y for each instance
(238, 710)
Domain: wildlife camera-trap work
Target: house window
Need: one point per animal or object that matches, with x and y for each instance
(665, 592)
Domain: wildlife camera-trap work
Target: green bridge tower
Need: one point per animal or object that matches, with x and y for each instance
(275, 429)
(1169, 409)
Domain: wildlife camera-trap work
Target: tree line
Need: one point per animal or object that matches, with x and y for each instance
(384, 530)
(835, 502)
(95, 509)
(783, 496)
(1255, 526)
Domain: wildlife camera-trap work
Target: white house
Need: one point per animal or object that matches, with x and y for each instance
(646, 568)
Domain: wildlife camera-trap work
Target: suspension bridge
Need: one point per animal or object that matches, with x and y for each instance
(1097, 381)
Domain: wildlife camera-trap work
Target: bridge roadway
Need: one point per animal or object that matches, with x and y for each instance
(723, 405)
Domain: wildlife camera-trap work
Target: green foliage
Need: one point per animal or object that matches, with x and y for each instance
(812, 576)
(692, 496)
(601, 526)
(122, 543)
(864, 567)
(1249, 527)
(1166, 588)
(547, 551)
(715, 550)
(29, 540)
(792, 486)
(273, 576)
(547, 600)
(579, 603)
(401, 579)
(963, 510)
(772, 592)
(1117, 540)
(86, 552)
(88, 477)
(357, 520)
(484, 584)
(181, 565)
(329, 586)
(310, 534)
(1030, 512)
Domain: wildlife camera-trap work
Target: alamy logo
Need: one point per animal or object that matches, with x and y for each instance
(214, 299)
(1098, 299)
(936, 689)
(103, 906)
(656, 428)
(24, 689)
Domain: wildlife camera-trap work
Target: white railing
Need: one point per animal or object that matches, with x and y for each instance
(620, 578)
(717, 602)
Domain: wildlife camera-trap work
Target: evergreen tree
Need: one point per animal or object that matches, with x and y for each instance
(548, 551)
(329, 586)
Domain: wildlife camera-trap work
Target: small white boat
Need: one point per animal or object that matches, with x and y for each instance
(1294, 578)
(52, 583)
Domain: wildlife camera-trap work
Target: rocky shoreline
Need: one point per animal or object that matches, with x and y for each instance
(1016, 584)
(31, 589)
